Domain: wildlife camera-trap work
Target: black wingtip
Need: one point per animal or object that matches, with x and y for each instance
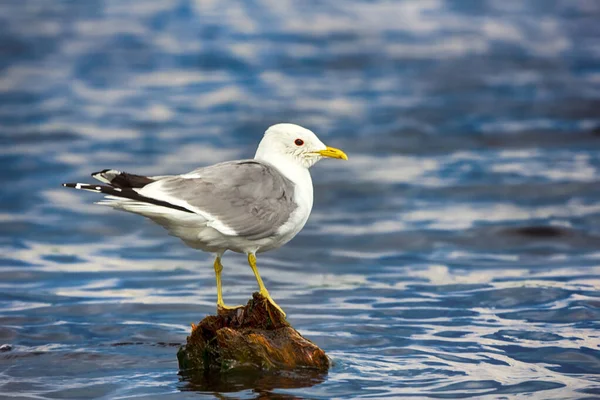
(100, 172)
(71, 185)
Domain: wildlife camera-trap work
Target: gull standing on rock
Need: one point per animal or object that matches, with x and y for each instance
(247, 206)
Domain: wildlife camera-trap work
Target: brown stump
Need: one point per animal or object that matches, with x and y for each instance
(255, 336)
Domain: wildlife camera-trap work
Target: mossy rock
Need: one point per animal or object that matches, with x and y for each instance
(256, 336)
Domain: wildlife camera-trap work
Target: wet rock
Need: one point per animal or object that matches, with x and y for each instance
(256, 336)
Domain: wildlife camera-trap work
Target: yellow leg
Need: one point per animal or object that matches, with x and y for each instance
(261, 285)
(218, 269)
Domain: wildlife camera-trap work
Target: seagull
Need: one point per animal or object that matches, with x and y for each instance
(246, 206)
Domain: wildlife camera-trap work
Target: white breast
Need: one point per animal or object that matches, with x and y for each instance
(303, 197)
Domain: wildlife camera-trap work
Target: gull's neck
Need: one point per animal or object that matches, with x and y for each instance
(295, 172)
(288, 167)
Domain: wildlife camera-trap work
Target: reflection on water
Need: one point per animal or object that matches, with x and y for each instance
(455, 255)
(261, 383)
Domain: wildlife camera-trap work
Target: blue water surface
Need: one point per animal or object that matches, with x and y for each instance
(455, 255)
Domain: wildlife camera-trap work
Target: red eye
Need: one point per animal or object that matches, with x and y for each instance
(299, 142)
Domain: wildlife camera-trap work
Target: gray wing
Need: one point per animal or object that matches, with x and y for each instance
(250, 197)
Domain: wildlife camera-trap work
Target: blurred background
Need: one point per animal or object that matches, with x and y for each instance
(457, 253)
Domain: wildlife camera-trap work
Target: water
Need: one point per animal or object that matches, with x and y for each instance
(457, 253)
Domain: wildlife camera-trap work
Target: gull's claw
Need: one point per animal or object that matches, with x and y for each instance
(270, 299)
(226, 308)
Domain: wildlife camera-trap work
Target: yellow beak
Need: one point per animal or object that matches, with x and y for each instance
(333, 153)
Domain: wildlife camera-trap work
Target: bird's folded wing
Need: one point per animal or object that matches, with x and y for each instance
(241, 198)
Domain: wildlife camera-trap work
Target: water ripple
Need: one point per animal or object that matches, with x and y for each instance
(455, 255)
